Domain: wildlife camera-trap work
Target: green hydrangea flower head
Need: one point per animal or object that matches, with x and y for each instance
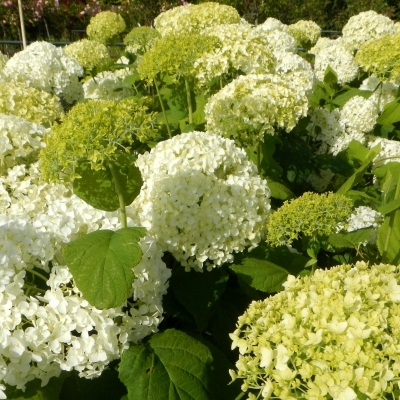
(140, 39)
(306, 33)
(175, 54)
(311, 214)
(96, 131)
(332, 335)
(381, 57)
(194, 18)
(34, 105)
(89, 54)
(254, 104)
(104, 26)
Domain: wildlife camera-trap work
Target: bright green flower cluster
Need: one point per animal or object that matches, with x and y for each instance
(194, 18)
(381, 57)
(310, 214)
(89, 54)
(306, 33)
(104, 26)
(252, 105)
(333, 335)
(34, 105)
(96, 131)
(140, 39)
(175, 55)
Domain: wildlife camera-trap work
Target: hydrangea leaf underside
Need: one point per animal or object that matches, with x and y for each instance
(97, 188)
(261, 274)
(174, 367)
(101, 263)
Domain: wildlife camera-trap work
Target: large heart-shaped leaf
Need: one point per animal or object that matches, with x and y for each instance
(101, 264)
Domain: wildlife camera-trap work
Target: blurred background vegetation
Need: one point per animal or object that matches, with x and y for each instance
(63, 19)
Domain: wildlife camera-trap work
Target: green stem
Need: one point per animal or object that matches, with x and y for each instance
(391, 221)
(37, 274)
(29, 287)
(120, 194)
(189, 100)
(163, 108)
(240, 396)
(259, 157)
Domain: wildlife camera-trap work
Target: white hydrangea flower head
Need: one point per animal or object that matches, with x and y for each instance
(42, 65)
(359, 116)
(3, 60)
(397, 27)
(108, 85)
(332, 334)
(390, 149)
(255, 104)
(18, 140)
(241, 50)
(278, 40)
(365, 217)
(335, 55)
(297, 71)
(305, 32)
(194, 18)
(273, 24)
(89, 54)
(202, 199)
(366, 26)
(381, 95)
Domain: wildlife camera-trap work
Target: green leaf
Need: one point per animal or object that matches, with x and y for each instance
(389, 207)
(330, 76)
(199, 117)
(198, 292)
(358, 175)
(173, 116)
(97, 188)
(35, 391)
(261, 274)
(280, 191)
(390, 113)
(351, 239)
(310, 262)
(171, 366)
(389, 238)
(105, 387)
(388, 176)
(357, 151)
(101, 263)
(132, 79)
(343, 98)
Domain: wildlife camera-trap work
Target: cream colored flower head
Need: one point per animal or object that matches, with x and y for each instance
(306, 33)
(89, 54)
(96, 131)
(366, 26)
(194, 18)
(332, 335)
(381, 57)
(141, 39)
(309, 215)
(252, 105)
(105, 26)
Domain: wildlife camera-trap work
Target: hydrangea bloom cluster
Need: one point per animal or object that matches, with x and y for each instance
(366, 26)
(175, 54)
(59, 330)
(101, 128)
(108, 85)
(338, 128)
(390, 149)
(252, 105)
(19, 140)
(241, 50)
(140, 39)
(193, 18)
(32, 104)
(278, 41)
(311, 214)
(331, 335)
(381, 57)
(104, 26)
(336, 56)
(89, 54)
(306, 33)
(365, 217)
(201, 199)
(42, 65)
(383, 92)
